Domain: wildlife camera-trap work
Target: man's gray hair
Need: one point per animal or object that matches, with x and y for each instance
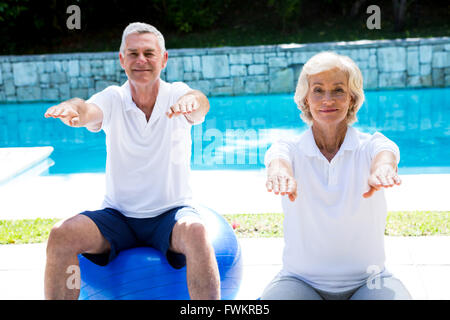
(139, 27)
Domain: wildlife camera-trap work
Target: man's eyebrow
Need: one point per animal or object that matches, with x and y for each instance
(146, 50)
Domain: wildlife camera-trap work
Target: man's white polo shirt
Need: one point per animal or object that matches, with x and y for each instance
(147, 163)
(334, 238)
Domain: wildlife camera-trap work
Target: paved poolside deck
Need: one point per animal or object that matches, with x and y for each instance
(422, 263)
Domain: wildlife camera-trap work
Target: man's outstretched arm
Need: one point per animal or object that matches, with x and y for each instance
(194, 105)
(77, 113)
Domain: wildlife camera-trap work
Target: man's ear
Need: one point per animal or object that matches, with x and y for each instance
(121, 58)
(165, 58)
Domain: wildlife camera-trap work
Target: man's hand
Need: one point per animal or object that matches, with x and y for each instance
(280, 179)
(383, 173)
(194, 105)
(186, 105)
(77, 113)
(67, 113)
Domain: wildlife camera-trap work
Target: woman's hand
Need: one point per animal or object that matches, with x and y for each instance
(280, 179)
(383, 173)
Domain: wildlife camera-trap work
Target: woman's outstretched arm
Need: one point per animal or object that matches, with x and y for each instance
(280, 178)
(383, 173)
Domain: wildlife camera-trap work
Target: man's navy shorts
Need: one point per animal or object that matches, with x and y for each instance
(124, 232)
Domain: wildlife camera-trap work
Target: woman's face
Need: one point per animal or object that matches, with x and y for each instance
(329, 96)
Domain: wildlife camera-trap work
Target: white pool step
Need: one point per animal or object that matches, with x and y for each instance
(17, 161)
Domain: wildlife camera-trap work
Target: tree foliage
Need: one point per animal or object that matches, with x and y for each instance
(24, 23)
(11, 9)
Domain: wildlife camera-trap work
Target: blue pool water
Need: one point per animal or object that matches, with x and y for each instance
(238, 130)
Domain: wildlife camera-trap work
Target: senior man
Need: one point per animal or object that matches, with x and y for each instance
(147, 122)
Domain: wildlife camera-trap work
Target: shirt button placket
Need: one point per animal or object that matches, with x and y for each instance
(332, 173)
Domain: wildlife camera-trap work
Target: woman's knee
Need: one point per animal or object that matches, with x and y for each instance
(389, 288)
(289, 288)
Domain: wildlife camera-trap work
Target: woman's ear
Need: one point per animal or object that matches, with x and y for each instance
(305, 101)
(352, 101)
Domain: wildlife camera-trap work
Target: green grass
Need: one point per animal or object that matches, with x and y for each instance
(418, 223)
(403, 223)
(25, 231)
(264, 225)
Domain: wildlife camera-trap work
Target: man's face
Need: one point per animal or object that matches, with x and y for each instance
(142, 59)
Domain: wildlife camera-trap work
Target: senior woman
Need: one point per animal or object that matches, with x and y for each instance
(331, 178)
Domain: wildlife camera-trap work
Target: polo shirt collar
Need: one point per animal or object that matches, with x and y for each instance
(309, 147)
(351, 141)
(130, 105)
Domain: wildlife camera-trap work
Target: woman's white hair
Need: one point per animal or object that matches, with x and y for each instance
(139, 27)
(325, 61)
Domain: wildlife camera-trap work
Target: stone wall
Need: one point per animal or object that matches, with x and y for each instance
(404, 63)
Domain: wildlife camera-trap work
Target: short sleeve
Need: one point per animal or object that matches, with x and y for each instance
(282, 149)
(103, 100)
(379, 142)
(178, 89)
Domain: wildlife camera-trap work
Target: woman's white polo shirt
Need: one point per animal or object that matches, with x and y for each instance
(147, 163)
(334, 238)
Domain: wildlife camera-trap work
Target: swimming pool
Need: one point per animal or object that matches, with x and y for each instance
(238, 131)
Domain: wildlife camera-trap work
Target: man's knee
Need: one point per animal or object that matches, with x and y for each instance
(190, 235)
(61, 236)
(71, 236)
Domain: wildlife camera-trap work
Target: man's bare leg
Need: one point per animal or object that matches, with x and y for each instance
(189, 237)
(67, 239)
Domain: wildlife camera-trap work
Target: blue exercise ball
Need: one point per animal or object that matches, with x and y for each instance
(143, 273)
